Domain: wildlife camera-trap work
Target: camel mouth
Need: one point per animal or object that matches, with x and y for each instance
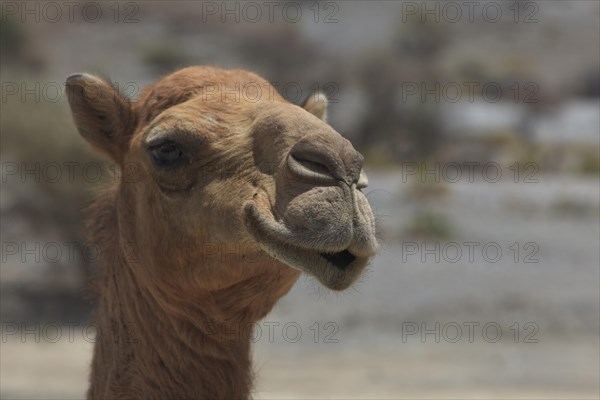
(336, 269)
(340, 259)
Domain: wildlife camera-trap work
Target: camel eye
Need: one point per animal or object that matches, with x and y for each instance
(166, 154)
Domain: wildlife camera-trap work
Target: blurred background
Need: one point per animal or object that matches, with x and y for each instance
(480, 126)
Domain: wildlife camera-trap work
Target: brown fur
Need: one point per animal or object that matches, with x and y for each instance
(196, 253)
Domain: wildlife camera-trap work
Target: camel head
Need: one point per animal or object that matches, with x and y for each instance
(223, 179)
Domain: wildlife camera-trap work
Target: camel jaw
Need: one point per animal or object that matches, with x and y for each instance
(336, 268)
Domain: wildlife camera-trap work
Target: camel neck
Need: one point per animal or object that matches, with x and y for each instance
(149, 348)
(165, 337)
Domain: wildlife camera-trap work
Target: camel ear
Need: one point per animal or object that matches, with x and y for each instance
(316, 104)
(103, 116)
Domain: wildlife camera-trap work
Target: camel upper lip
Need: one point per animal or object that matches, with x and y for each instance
(336, 269)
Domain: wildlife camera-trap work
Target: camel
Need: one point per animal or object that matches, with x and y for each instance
(227, 193)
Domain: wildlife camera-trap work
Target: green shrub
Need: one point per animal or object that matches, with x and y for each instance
(428, 225)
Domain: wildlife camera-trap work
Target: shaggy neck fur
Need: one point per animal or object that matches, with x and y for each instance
(159, 344)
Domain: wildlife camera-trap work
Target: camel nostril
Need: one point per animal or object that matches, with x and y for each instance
(314, 165)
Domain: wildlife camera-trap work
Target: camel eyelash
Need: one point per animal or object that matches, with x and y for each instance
(167, 154)
(183, 139)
